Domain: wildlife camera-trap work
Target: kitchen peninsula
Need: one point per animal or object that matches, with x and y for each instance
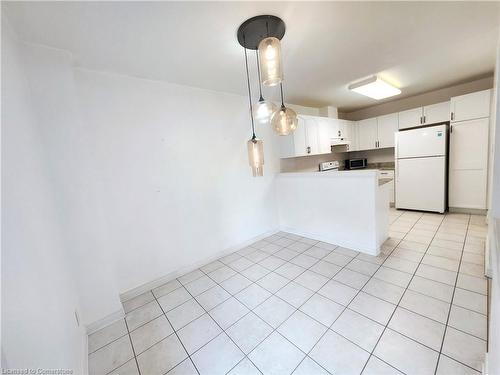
(346, 208)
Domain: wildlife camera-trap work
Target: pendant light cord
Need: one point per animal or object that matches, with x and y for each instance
(281, 88)
(258, 73)
(249, 91)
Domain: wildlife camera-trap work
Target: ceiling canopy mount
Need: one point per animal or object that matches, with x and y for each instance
(252, 31)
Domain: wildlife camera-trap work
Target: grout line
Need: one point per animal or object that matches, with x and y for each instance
(133, 349)
(402, 295)
(275, 294)
(310, 245)
(178, 338)
(452, 298)
(110, 342)
(345, 307)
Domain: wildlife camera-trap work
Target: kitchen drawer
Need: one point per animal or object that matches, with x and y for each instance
(389, 173)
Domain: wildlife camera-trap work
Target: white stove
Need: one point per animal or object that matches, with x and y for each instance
(329, 166)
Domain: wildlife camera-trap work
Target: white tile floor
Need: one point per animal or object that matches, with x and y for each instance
(289, 304)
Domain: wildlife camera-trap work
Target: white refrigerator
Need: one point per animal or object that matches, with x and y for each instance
(421, 168)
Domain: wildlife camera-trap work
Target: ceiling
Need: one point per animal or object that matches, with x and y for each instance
(419, 46)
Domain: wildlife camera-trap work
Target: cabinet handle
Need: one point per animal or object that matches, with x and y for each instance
(308, 149)
(420, 119)
(424, 120)
(451, 128)
(452, 116)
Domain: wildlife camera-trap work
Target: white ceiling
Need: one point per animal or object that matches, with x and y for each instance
(419, 46)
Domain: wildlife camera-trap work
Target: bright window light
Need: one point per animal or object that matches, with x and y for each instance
(374, 88)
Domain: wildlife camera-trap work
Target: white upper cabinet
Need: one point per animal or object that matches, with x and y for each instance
(430, 114)
(326, 130)
(315, 135)
(435, 113)
(312, 137)
(471, 106)
(410, 118)
(294, 144)
(367, 134)
(387, 126)
(353, 146)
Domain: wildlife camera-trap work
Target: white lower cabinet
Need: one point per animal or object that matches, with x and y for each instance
(388, 173)
(468, 164)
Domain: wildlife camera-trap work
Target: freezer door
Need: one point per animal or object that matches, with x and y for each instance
(421, 184)
(422, 142)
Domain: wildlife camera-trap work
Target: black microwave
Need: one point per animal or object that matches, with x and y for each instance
(355, 163)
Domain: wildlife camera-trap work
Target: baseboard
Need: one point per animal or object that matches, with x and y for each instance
(471, 211)
(107, 320)
(342, 243)
(131, 293)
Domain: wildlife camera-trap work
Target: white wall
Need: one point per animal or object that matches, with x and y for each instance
(147, 177)
(39, 295)
(172, 172)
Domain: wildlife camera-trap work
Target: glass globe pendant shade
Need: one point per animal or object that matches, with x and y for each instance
(263, 110)
(256, 156)
(270, 61)
(284, 121)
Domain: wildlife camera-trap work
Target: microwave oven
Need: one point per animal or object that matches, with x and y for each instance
(355, 163)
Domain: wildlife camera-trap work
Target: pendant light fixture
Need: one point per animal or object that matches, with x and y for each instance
(263, 34)
(284, 121)
(264, 109)
(270, 61)
(255, 146)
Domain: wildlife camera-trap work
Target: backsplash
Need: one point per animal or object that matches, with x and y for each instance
(377, 159)
(383, 155)
(310, 163)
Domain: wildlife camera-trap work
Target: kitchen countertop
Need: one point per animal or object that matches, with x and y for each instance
(333, 173)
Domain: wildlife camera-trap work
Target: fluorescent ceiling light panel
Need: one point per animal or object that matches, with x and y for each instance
(374, 88)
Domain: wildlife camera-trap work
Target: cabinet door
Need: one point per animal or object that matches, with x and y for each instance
(326, 129)
(387, 127)
(345, 127)
(312, 136)
(367, 134)
(299, 138)
(468, 164)
(471, 106)
(436, 113)
(287, 146)
(410, 118)
(353, 146)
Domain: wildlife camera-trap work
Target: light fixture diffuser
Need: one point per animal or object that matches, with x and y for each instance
(375, 88)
